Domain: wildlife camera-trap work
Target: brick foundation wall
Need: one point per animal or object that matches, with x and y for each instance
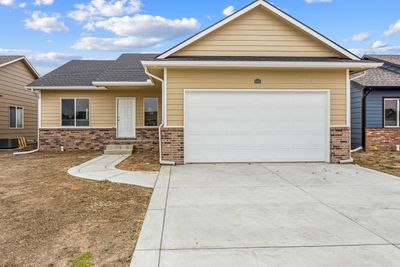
(172, 143)
(340, 144)
(382, 139)
(95, 139)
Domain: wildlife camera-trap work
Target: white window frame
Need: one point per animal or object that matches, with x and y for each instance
(16, 117)
(144, 112)
(75, 98)
(398, 112)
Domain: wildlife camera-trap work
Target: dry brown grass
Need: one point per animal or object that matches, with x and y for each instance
(141, 161)
(48, 218)
(388, 162)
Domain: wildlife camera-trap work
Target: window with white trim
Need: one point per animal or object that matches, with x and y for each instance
(150, 112)
(391, 112)
(16, 117)
(75, 112)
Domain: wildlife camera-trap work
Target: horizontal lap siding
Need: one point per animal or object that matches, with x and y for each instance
(102, 105)
(13, 79)
(374, 106)
(356, 115)
(258, 33)
(180, 79)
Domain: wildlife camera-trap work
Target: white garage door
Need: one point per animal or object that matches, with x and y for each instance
(256, 126)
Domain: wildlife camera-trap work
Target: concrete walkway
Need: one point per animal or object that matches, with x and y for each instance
(103, 168)
(255, 215)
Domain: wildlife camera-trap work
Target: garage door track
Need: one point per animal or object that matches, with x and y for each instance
(271, 215)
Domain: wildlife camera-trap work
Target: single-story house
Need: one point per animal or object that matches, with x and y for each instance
(375, 105)
(18, 106)
(258, 86)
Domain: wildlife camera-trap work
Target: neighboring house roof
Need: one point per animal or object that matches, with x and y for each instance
(386, 76)
(6, 60)
(84, 73)
(276, 11)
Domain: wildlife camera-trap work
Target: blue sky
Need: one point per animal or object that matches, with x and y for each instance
(51, 32)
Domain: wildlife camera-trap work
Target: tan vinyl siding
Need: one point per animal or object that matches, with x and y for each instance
(258, 33)
(13, 79)
(180, 79)
(102, 105)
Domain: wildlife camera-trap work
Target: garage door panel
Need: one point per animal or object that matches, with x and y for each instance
(264, 126)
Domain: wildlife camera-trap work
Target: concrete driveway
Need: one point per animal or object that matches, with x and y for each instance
(271, 215)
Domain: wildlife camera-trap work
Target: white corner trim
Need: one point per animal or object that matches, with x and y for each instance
(105, 84)
(276, 11)
(348, 98)
(263, 64)
(26, 61)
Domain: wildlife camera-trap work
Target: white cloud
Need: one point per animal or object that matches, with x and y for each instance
(148, 26)
(360, 37)
(378, 44)
(97, 9)
(22, 5)
(318, 1)
(43, 2)
(386, 49)
(135, 32)
(13, 51)
(228, 11)
(42, 22)
(45, 62)
(393, 29)
(6, 2)
(114, 44)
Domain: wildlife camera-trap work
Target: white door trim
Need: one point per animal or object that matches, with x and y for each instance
(134, 116)
(328, 119)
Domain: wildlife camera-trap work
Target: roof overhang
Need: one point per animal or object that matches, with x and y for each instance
(264, 64)
(33, 70)
(276, 11)
(123, 84)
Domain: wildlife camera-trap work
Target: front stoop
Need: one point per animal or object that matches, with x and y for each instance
(118, 150)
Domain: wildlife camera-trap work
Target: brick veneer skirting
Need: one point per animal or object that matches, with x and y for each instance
(340, 144)
(382, 139)
(172, 144)
(95, 139)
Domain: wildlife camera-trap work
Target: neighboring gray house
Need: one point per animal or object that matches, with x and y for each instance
(375, 104)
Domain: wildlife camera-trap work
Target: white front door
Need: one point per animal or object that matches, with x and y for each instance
(256, 126)
(126, 117)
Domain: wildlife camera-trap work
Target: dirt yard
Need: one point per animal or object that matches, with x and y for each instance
(143, 161)
(48, 218)
(388, 162)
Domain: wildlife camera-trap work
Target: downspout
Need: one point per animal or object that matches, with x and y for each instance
(163, 86)
(38, 96)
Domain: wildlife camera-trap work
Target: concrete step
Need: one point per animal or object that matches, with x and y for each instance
(118, 150)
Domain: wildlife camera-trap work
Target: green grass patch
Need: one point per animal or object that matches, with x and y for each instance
(83, 261)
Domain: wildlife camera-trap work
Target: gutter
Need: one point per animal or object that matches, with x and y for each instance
(65, 88)
(106, 84)
(162, 162)
(262, 64)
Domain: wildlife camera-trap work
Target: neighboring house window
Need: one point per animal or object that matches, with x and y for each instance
(391, 107)
(150, 112)
(16, 117)
(75, 112)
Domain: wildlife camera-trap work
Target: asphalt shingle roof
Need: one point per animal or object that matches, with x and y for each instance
(5, 59)
(74, 73)
(127, 68)
(386, 76)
